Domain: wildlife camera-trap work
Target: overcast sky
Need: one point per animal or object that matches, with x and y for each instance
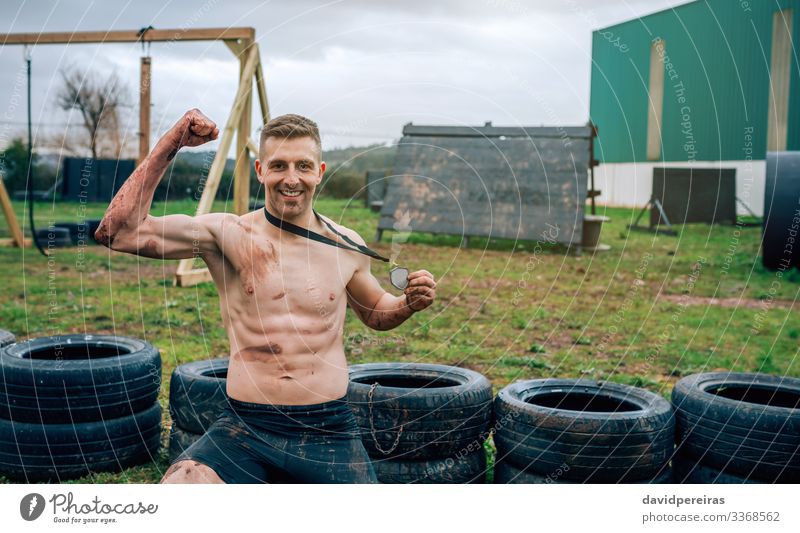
(360, 68)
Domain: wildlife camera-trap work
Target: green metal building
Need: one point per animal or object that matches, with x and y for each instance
(708, 83)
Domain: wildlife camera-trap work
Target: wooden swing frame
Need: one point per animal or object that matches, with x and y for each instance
(241, 41)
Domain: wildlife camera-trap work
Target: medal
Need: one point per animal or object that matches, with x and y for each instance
(398, 277)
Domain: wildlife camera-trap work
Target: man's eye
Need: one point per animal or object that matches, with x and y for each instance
(304, 166)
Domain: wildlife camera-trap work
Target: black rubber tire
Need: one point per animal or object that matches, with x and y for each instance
(441, 409)
(197, 394)
(122, 377)
(627, 437)
(78, 232)
(734, 432)
(6, 338)
(781, 197)
(464, 468)
(179, 440)
(54, 237)
(687, 470)
(93, 224)
(507, 473)
(38, 452)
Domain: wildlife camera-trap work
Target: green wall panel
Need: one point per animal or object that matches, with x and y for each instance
(716, 90)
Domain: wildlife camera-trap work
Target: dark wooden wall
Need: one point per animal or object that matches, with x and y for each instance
(516, 183)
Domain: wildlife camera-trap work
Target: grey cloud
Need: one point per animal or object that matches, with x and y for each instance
(374, 64)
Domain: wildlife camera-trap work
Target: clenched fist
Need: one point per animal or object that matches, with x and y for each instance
(193, 129)
(421, 290)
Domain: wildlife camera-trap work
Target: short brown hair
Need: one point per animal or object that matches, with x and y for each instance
(291, 126)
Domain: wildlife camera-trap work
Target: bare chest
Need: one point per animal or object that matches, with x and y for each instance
(294, 275)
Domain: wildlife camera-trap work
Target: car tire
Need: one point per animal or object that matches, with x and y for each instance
(458, 469)
(603, 432)
(39, 452)
(506, 472)
(77, 378)
(741, 423)
(180, 440)
(197, 394)
(419, 411)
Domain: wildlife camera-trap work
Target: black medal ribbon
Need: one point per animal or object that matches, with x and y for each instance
(314, 236)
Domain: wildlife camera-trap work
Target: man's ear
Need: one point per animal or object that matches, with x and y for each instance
(322, 167)
(258, 170)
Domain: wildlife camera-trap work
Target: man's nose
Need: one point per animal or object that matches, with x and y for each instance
(292, 177)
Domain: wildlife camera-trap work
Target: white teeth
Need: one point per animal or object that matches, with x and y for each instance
(291, 193)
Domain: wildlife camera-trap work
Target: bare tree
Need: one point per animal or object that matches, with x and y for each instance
(99, 102)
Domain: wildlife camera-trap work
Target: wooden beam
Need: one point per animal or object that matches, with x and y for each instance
(218, 165)
(129, 36)
(144, 109)
(241, 172)
(262, 93)
(251, 145)
(17, 238)
(5, 242)
(236, 47)
(192, 277)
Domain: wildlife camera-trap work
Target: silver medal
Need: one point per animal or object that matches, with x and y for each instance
(398, 276)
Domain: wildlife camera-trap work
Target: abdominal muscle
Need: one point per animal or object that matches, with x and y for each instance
(287, 359)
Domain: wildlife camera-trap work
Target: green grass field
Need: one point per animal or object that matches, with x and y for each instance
(640, 314)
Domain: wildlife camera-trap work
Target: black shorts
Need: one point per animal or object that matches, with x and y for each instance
(262, 443)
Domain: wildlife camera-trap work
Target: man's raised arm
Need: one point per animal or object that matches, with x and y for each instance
(128, 226)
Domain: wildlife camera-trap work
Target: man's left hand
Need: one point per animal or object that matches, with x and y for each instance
(421, 290)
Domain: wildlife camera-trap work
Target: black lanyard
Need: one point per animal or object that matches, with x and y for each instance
(314, 236)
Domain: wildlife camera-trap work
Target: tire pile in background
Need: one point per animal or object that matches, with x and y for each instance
(196, 398)
(779, 244)
(71, 405)
(422, 423)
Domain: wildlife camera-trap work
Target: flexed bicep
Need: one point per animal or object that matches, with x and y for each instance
(172, 236)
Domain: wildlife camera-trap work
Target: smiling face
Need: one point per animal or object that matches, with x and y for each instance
(290, 170)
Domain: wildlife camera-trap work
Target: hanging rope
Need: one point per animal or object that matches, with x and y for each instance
(29, 180)
(145, 44)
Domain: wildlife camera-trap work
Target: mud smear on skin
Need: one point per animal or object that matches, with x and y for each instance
(151, 247)
(259, 354)
(256, 260)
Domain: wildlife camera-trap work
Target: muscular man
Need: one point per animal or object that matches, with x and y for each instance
(283, 300)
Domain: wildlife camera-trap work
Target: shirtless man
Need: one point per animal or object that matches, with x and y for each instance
(283, 300)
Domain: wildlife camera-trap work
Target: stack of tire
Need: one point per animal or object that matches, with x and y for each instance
(80, 233)
(422, 423)
(779, 247)
(737, 428)
(71, 405)
(196, 399)
(581, 431)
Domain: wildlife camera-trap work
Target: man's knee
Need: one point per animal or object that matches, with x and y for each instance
(189, 471)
